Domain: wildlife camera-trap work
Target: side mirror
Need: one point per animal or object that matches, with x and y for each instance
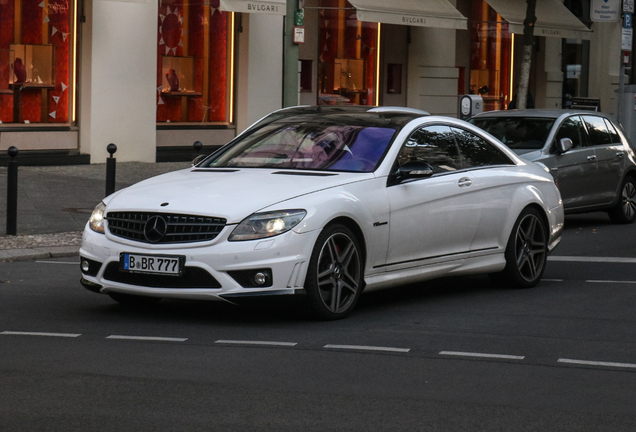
(412, 171)
(563, 145)
(198, 159)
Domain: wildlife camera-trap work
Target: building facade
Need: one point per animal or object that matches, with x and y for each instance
(153, 76)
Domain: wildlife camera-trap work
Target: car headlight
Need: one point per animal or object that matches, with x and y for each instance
(96, 222)
(267, 224)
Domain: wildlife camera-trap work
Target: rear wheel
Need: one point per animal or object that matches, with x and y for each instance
(334, 277)
(133, 300)
(526, 252)
(625, 210)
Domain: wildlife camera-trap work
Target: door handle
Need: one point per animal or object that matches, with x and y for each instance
(464, 181)
(620, 154)
(591, 158)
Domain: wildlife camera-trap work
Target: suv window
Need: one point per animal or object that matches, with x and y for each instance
(614, 136)
(517, 132)
(476, 151)
(572, 127)
(434, 145)
(597, 131)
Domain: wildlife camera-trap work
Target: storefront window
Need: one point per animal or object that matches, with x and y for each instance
(194, 62)
(37, 61)
(576, 56)
(347, 57)
(490, 57)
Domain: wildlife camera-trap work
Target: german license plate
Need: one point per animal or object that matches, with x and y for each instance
(152, 264)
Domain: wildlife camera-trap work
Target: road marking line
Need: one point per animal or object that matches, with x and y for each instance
(552, 280)
(471, 354)
(147, 338)
(57, 262)
(266, 343)
(368, 348)
(610, 281)
(592, 259)
(597, 363)
(69, 335)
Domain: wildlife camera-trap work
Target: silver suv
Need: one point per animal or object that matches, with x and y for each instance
(587, 153)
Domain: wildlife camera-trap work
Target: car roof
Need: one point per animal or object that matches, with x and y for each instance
(346, 114)
(538, 113)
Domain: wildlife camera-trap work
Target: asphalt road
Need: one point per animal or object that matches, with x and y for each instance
(447, 355)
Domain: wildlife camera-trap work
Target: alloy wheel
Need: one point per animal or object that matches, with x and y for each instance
(530, 247)
(338, 272)
(629, 200)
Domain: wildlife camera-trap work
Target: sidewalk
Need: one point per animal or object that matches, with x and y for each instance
(55, 202)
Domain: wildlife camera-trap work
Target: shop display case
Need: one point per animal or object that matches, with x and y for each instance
(4, 72)
(178, 76)
(349, 75)
(31, 66)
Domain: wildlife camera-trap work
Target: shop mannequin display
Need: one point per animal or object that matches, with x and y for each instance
(173, 80)
(20, 71)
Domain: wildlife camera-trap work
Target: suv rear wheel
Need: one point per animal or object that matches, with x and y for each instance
(625, 210)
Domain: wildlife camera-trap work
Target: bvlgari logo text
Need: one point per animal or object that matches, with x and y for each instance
(550, 31)
(413, 20)
(261, 8)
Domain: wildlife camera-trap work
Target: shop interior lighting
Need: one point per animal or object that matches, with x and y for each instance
(377, 68)
(74, 71)
(231, 67)
(512, 65)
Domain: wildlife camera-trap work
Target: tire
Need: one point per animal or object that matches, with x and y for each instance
(625, 210)
(526, 252)
(335, 274)
(133, 300)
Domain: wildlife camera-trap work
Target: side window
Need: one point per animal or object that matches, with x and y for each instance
(572, 127)
(597, 131)
(434, 145)
(476, 151)
(615, 138)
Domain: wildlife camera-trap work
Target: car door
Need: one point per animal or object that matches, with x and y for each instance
(492, 170)
(574, 170)
(609, 157)
(432, 219)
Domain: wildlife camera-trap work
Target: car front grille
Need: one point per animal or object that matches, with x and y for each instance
(172, 228)
(193, 277)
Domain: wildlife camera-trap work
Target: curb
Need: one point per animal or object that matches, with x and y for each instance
(30, 254)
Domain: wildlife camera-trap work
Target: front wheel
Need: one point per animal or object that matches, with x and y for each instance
(335, 273)
(526, 252)
(625, 210)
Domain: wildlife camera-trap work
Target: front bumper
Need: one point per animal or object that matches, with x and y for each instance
(211, 268)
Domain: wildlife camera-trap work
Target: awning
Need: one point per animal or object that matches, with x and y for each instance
(273, 7)
(423, 13)
(553, 18)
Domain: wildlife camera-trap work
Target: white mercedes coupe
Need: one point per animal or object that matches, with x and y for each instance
(325, 202)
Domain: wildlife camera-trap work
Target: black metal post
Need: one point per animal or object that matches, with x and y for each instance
(12, 192)
(198, 145)
(111, 164)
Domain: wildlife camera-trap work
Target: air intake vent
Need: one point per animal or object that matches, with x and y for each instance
(163, 228)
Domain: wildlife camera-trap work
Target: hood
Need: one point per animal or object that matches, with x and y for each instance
(528, 154)
(232, 194)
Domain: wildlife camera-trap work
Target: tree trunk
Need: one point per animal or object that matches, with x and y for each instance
(526, 59)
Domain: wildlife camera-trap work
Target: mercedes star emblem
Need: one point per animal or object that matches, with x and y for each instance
(155, 229)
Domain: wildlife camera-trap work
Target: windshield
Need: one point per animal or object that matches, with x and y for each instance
(308, 146)
(517, 132)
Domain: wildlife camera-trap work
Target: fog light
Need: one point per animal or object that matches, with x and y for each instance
(85, 266)
(260, 278)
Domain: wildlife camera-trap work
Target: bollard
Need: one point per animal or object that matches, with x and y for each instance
(12, 192)
(111, 164)
(198, 145)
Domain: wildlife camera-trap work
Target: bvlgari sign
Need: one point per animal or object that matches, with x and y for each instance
(605, 10)
(275, 7)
